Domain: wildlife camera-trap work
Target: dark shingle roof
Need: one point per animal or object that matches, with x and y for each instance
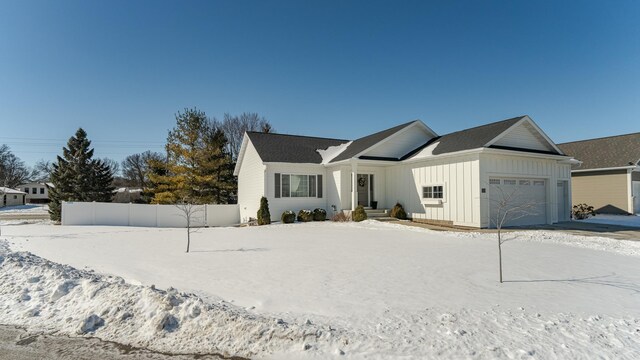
(359, 145)
(607, 152)
(290, 148)
(472, 138)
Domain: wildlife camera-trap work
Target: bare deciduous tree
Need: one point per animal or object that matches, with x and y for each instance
(234, 128)
(193, 216)
(509, 205)
(13, 171)
(135, 168)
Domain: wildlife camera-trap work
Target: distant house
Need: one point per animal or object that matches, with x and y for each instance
(609, 176)
(445, 179)
(11, 197)
(127, 195)
(37, 192)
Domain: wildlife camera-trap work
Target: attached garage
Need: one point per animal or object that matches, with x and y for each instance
(522, 201)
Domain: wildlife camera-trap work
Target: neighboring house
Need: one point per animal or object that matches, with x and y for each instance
(126, 195)
(447, 179)
(11, 197)
(37, 192)
(609, 177)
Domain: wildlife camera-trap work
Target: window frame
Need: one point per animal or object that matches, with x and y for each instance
(315, 193)
(431, 188)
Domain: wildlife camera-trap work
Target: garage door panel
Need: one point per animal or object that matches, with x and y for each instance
(528, 194)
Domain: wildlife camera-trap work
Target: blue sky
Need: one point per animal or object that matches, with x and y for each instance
(122, 69)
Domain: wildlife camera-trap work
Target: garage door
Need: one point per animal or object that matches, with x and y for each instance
(526, 198)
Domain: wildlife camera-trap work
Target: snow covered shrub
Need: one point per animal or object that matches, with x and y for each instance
(341, 217)
(264, 216)
(305, 215)
(582, 211)
(319, 214)
(288, 217)
(359, 214)
(398, 212)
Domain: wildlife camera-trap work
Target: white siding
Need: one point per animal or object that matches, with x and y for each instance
(524, 136)
(493, 165)
(251, 183)
(401, 144)
(459, 175)
(278, 205)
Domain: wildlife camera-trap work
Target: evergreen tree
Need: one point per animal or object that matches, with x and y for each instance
(198, 167)
(78, 177)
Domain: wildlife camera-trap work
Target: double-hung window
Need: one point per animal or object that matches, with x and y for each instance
(298, 186)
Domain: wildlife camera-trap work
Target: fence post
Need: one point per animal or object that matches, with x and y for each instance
(93, 208)
(129, 217)
(157, 214)
(62, 212)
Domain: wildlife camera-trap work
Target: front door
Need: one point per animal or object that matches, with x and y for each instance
(363, 189)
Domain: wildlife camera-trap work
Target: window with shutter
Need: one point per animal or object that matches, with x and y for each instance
(319, 186)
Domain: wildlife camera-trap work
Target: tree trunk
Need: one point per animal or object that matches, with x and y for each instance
(189, 239)
(500, 254)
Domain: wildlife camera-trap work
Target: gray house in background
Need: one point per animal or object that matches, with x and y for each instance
(609, 176)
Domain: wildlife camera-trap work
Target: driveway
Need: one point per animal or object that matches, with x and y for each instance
(17, 344)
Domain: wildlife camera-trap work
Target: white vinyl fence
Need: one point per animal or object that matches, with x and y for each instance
(95, 213)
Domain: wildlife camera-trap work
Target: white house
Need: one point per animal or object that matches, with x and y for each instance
(449, 179)
(37, 192)
(11, 197)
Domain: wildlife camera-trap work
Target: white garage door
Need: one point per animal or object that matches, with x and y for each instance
(526, 198)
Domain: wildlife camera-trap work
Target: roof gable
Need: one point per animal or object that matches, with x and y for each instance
(607, 152)
(487, 136)
(363, 144)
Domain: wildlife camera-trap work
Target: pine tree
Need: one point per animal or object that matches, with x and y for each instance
(78, 177)
(198, 168)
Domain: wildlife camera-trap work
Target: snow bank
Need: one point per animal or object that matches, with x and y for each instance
(47, 296)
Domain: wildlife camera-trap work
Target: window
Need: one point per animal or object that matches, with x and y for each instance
(525, 182)
(538, 183)
(41, 191)
(15, 197)
(26, 190)
(508, 182)
(494, 181)
(300, 186)
(35, 190)
(433, 192)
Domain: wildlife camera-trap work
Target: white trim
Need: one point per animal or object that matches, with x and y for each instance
(632, 167)
(527, 119)
(243, 148)
(630, 208)
(433, 200)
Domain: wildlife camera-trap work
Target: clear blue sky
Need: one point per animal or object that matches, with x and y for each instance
(121, 69)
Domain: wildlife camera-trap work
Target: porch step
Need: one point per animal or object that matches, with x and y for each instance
(378, 214)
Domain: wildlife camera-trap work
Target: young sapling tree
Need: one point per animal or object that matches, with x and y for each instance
(193, 216)
(509, 205)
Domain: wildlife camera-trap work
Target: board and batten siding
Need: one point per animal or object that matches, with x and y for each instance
(278, 205)
(459, 176)
(514, 166)
(524, 136)
(251, 183)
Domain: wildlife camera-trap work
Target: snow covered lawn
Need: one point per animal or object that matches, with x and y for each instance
(323, 290)
(624, 220)
(25, 209)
